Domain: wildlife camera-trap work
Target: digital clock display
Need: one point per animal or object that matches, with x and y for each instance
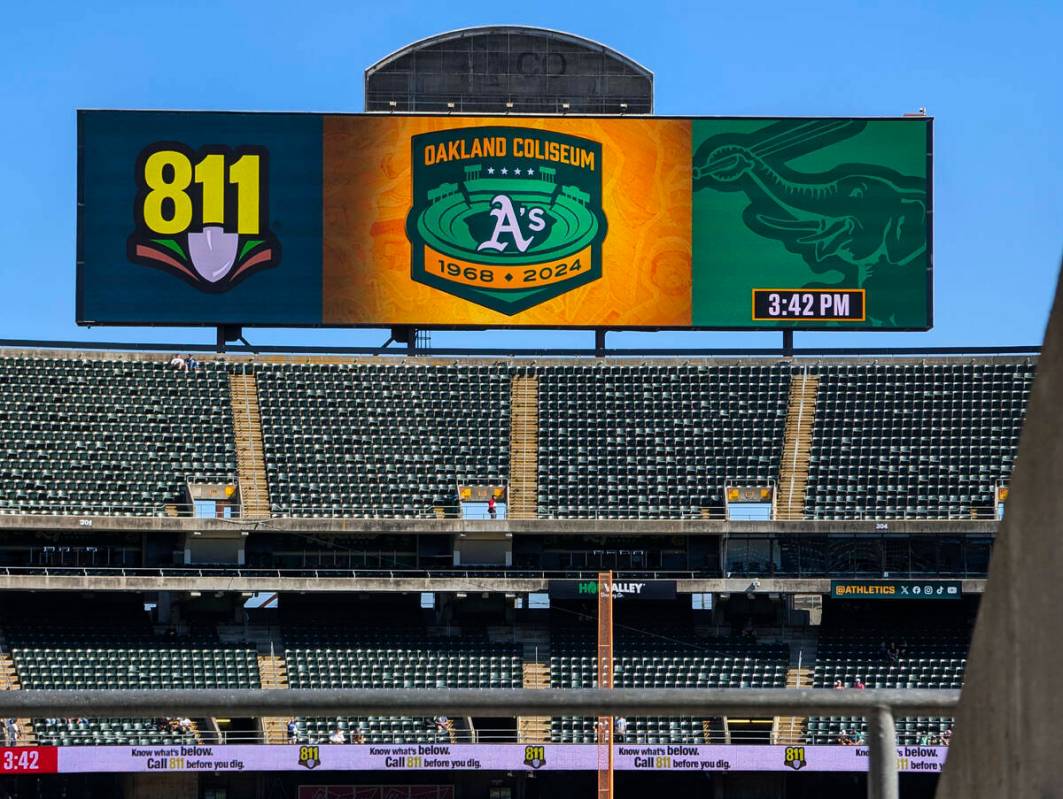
(809, 305)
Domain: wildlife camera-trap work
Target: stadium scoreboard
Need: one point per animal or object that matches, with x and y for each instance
(373, 220)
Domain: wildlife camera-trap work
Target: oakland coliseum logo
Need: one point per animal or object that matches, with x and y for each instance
(506, 217)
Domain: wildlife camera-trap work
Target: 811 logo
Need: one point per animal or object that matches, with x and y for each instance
(535, 756)
(309, 756)
(505, 217)
(794, 757)
(203, 215)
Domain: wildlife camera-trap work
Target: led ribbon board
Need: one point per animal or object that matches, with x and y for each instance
(409, 758)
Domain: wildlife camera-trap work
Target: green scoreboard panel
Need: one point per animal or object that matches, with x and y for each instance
(812, 223)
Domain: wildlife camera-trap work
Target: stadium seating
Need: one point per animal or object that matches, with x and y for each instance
(104, 436)
(915, 440)
(656, 441)
(927, 439)
(366, 440)
(929, 657)
(128, 657)
(672, 658)
(108, 732)
(350, 657)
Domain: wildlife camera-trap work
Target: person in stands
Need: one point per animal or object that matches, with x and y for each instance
(839, 685)
(337, 737)
(178, 363)
(191, 363)
(492, 511)
(620, 728)
(293, 730)
(858, 684)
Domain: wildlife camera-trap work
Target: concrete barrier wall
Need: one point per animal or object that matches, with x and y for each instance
(1008, 729)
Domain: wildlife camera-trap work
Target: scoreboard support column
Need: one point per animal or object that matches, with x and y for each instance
(599, 343)
(788, 343)
(227, 334)
(404, 334)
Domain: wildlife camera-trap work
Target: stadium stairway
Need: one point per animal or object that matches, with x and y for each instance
(535, 675)
(196, 726)
(534, 729)
(272, 669)
(797, 447)
(274, 675)
(787, 730)
(523, 447)
(791, 729)
(250, 454)
(9, 682)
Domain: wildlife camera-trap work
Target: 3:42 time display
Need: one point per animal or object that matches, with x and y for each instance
(809, 305)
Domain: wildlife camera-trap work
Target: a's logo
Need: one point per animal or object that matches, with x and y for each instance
(309, 756)
(505, 217)
(851, 218)
(203, 215)
(535, 756)
(794, 757)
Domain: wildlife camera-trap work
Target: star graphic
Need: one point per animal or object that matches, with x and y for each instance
(516, 171)
(490, 170)
(530, 171)
(504, 171)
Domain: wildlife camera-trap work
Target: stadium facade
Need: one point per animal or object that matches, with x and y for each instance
(320, 522)
(786, 517)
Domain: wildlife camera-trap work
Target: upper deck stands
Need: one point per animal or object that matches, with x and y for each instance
(122, 434)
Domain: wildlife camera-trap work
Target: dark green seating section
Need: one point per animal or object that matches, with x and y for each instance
(676, 659)
(133, 657)
(933, 658)
(927, 439)
(915, 440)
(108, 732)
(116, 437)
(381, 441)
(656, 441)
(338, 657)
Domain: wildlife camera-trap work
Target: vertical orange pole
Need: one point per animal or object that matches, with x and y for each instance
(605, 680)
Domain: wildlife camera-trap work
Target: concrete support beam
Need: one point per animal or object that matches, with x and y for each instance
(498, 702)
(664, 527)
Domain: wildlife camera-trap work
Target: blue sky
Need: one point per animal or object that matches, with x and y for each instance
(990, 73)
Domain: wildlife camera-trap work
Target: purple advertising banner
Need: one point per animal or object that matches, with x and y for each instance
(484, 757)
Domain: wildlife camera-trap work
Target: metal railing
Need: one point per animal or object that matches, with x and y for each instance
(342, 574)
(112, 348)
(353, 734)
(879, 706)
(305, 573)
(15, 507)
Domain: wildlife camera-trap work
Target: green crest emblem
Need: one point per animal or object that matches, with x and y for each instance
(506, 217)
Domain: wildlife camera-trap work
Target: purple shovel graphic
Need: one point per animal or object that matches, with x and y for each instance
(213, 252)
